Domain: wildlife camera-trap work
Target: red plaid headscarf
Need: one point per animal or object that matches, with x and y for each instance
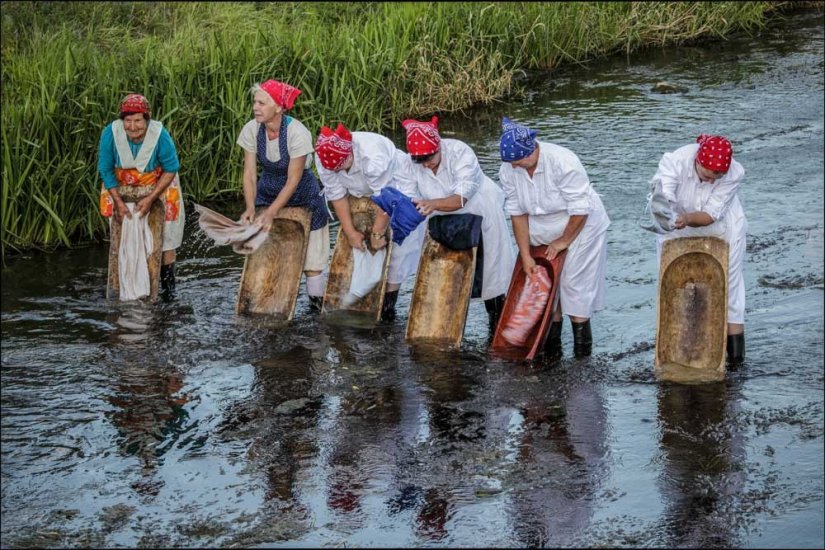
(135, 103)
(283, 94)
(333, 148)
(715, 152)
(422, 137)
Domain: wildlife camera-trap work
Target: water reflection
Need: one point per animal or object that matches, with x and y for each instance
(149, 408)
(703, 464)
(562, 450)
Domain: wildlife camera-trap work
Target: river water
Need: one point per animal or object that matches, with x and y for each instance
(185, 425)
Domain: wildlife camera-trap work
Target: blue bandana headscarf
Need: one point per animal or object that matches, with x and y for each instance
(517, 141)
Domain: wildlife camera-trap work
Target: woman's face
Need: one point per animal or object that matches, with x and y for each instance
(264, 108)
(706, 175)
(527, 162)
(135, 126)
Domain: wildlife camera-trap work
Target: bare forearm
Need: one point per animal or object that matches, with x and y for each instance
(250, 191)
(163, 182)
(382, 220)
(341, 207)
(521, 232)
(449, 204)
(574, 226)
(698, 219)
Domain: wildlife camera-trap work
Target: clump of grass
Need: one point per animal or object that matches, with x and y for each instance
(67, 65)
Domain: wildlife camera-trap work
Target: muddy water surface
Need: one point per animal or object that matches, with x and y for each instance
(185, 425)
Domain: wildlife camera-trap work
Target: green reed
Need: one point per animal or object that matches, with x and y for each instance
(65, 67)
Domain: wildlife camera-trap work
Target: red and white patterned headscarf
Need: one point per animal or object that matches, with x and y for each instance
(135, 103)
(283, 94)
(715, 152)
(422, 137)
(333, 148)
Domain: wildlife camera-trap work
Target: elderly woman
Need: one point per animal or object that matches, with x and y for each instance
(283, 148)
(136, 150)
(701, 181)
(361, 164)
(448, 178)
(551, 202)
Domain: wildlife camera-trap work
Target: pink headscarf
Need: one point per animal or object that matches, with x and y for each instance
(715, 152)
(283, 94)
(135, 103)
(422, 137)
(333, 148)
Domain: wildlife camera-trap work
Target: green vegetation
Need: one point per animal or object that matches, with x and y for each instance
(65, 67)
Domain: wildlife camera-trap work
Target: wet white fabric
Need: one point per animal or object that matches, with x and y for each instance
(244, 238)
(366, 273)
(404, 259)
(559, 189)
(460, 174)
(375, 162)
(658, 216)
(316, 284)
(136, 245)
(720, 200)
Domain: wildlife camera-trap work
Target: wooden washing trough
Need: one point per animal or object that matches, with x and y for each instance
(691, 332)
(272, 274)
(535, 340)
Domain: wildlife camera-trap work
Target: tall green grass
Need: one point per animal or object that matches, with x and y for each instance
(65, 67)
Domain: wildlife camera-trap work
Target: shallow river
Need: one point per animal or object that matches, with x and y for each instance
(185, 425)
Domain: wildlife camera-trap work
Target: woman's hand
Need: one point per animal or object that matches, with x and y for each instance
(378, 241)
(248, 216)
(680, 222)
(529, 265)
(554, 248)
(425, 207)
(143, 206)
(356, 239)
(121, 211)
(265, 218)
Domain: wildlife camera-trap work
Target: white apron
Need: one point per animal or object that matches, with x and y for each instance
(582, 285)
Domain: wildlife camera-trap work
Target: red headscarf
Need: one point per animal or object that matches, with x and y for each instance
(283, 94)
(135, 103)
(333, 148)
(715, 152)
(422, 137)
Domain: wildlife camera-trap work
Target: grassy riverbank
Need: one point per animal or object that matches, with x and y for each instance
(65, 66)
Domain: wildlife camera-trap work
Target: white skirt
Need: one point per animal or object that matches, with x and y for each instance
(404, 259)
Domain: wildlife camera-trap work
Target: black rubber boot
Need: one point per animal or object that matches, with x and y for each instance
(494, 307)
(388, 308)
(552, 346)
(736, 349)
(167, 282)
(315, 303)
(582, 339)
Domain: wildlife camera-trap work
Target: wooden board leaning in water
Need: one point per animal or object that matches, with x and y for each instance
(341, 265)
(536, 338)
(272, 274)
(441, 297)
(692, 310)
(156, 217)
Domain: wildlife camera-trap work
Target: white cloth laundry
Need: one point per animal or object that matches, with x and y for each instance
(245, 239)
(136, 245)
(366, 273)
